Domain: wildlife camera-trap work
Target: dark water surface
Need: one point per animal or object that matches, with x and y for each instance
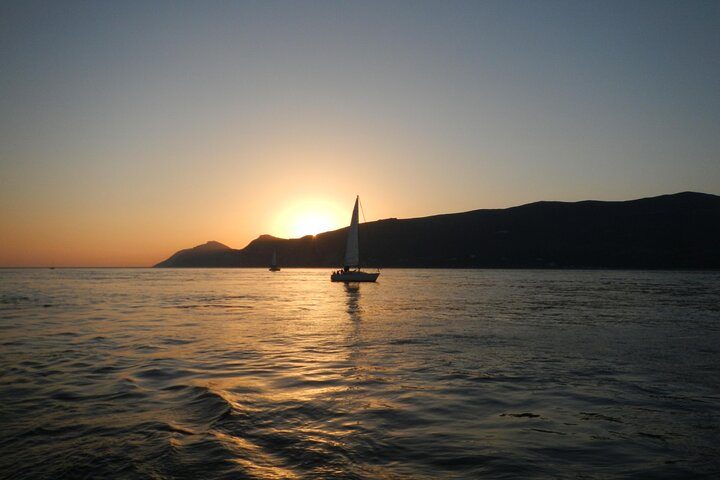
(144, 373)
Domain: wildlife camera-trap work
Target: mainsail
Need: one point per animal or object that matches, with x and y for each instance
(273, 263)
(352, 272)
(352, 250)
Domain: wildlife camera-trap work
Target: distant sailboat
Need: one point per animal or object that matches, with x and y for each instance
(273, 263)
(351, 270)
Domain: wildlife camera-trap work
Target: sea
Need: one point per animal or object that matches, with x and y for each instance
(426, 374)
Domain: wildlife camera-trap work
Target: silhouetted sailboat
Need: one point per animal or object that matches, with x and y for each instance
(351, 270)
(273, 263)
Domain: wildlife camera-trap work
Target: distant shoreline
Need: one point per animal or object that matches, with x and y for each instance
(577, 269)
(670, 232)
(677, 232)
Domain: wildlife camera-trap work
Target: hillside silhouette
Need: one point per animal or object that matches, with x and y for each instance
(670, 231)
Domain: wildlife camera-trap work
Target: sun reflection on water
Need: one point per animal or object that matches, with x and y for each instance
(248, 374)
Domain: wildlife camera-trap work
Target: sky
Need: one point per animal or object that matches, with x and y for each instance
(130, 130)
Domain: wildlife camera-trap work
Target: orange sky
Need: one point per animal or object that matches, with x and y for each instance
(130, 130)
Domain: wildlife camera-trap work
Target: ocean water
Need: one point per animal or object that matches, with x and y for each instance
(238, 373)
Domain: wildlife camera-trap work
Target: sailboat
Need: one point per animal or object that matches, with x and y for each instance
(273, 263)
(351, 270)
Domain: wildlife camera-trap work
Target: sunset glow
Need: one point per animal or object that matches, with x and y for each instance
(359, 239)
(309, 218)
(134, 130)
(309, 224)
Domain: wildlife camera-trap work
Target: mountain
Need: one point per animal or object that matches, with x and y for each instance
(670, 231)
(210, 254)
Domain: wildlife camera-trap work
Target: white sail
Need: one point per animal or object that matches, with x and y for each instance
(274, 259)
(352, 249)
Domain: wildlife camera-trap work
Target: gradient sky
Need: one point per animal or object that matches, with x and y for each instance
(131, 129)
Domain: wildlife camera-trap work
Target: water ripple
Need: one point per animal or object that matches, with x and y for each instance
(428, 374)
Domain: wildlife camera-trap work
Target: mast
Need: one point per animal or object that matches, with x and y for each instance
(352, 249)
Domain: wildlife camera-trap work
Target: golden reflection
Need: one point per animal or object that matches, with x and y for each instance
(253, 458)
(352, 301)
(353, 339)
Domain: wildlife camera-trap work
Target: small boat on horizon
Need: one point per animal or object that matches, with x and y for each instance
(351, 271)
(273, 262)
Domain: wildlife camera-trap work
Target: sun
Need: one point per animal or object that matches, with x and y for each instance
(310, 217)
(310, 223)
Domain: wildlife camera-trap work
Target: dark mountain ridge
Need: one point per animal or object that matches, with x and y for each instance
(670, 231)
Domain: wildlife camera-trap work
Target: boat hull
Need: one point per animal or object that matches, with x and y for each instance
(354, 277)
(274, 269)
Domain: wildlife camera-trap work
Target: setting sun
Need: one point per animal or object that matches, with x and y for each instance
(310, 218)
(310, 223)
